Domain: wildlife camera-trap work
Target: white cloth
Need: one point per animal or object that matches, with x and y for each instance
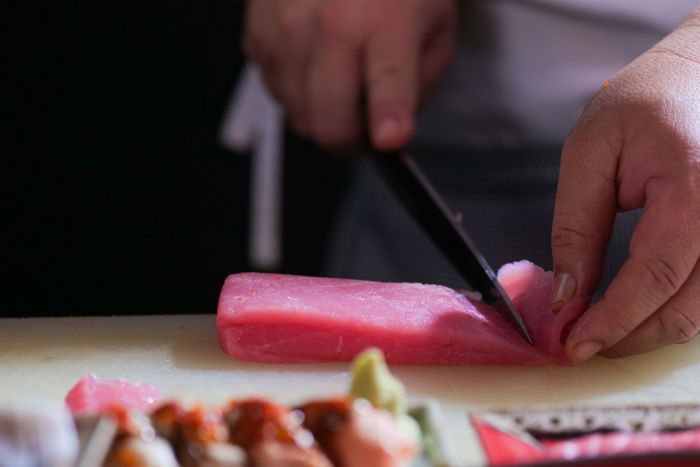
(254, 123)
(526, 68)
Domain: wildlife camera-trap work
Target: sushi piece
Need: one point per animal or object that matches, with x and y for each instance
(91, 395)
(369, 426)
(134, 443)
(272, 318)
(200, 436)
(353, 433)
(272, 435)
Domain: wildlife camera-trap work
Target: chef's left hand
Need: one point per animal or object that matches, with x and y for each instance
(636, 145)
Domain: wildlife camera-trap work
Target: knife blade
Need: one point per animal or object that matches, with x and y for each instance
(417, 194)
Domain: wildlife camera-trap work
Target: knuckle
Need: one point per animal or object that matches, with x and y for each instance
(392, 78)
(570, 237)
(290, 21)
(386, 70)
(333, 138)
(619, 321)
(332, 19)
(616, 323)
(678, 324)
(589, 151)
(575, 143)
(569, 232)
(665, 277)
(337, 23)
(621, 324)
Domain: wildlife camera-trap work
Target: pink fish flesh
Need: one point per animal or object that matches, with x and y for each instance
(529, 287)
(91, 395)
(295, 319)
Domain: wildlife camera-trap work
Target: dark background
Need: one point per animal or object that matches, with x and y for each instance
(117, 197)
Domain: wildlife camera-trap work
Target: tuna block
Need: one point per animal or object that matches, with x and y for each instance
(271, 318)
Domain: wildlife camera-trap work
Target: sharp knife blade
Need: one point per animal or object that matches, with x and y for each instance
(417, 194)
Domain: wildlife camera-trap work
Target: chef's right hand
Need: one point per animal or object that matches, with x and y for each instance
(331, 61)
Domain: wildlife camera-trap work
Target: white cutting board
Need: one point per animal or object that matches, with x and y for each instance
(46, 356)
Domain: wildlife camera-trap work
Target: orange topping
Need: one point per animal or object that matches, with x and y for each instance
(121, 415)
(324, 419)
(254, 420)
(128, 458)
(204, 426)
(169, 412)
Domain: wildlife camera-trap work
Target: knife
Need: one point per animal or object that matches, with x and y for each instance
(417, 194)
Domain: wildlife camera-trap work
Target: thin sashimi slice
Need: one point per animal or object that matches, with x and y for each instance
(295, 319)
(529, 287)
(91, 395)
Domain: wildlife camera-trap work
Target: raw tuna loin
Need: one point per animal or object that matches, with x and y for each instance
(295, 319)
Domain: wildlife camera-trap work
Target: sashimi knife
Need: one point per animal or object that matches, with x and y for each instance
(417, 194)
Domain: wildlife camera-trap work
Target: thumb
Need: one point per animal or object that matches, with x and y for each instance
(584, 211)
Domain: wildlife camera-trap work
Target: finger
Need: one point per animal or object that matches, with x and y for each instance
(296, 33)
(438, 47)
(436, 56)
(584, 212)
(294, 96)
(260, 44)
(676, 322)
(258, 36)
(663, 251)
(333, 93)
(392, 85)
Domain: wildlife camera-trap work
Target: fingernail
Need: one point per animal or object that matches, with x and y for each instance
(563, 290)
(386, 131)
(584, 351)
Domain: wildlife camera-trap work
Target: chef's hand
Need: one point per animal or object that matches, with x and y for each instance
(636, 145)
(323, 58)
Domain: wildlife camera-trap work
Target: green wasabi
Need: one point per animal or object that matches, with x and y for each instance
(372, 380)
